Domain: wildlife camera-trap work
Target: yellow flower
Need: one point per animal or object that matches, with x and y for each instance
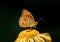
(33, 36)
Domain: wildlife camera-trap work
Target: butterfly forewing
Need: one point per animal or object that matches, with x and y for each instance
(26, 19)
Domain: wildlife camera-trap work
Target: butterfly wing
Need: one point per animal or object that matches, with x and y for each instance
(26, 19)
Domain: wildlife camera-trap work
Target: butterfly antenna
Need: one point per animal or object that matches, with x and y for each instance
(40, 19)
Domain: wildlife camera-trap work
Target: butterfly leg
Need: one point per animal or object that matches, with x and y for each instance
(35, 27)
(30, 28)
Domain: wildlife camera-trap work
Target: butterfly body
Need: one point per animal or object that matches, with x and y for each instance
(27, 19)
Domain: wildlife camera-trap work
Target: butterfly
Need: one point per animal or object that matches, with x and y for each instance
(26, 19)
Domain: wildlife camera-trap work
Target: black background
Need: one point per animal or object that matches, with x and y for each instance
(10, 11)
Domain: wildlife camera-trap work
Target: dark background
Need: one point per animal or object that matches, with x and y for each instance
(10, 11)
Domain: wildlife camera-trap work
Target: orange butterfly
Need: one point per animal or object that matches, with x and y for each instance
(27, 19)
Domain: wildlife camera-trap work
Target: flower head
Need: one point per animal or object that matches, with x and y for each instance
(33, 36)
